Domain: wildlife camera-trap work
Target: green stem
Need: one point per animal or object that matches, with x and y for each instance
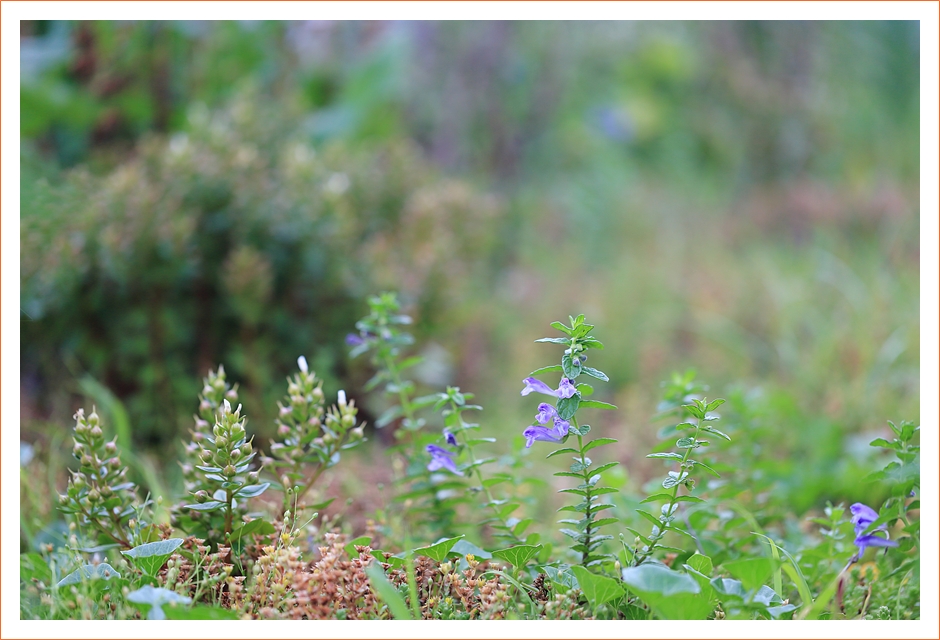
(228, 512)
(486, 490)
(654, 539)
(587, 497)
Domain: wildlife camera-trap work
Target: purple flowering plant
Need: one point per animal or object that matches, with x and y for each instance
(557, 423)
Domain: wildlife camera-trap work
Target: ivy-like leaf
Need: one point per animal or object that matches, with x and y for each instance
(519, 555)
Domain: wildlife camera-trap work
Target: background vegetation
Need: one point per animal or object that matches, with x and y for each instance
(740, 198)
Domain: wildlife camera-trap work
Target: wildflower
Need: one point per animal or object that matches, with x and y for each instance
(565, 388)
(302, 364)
(546, 413)
(556, 434)
(450, 438)
(862, 517)
(441, 458)
(353, 340)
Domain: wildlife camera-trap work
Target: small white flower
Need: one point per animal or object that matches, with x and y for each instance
(341, 397)
(302, 363)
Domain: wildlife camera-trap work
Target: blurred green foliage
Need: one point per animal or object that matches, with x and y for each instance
(741, 197)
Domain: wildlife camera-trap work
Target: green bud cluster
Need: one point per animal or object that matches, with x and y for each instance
(307, 434)
(98, 494)
(224, 479)
(215, 390)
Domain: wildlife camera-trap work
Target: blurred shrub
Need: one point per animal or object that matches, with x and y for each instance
(237, 242)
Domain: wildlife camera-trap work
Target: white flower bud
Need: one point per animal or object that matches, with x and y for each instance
(341, 398)
(302, 363)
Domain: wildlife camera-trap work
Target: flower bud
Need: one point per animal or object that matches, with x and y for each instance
(235, 454)
(205, 455)
(218, 384)
(317, 394)
(86, 460)
(114, 463)
(302, 364)
(106, 491)
(63, 500)
(93, 418)
(81, 429)
(187, 470)
(253, 477)
(94, 496)
(357, 433)
(201, 496)
(246, 449)
(110, 448)
(78, 480)
(205, 406)
(217, 430)
(229, 471)
(348, 420)
(96, 432)
(221, 442)
(200, 423)
(283, 430)
(231, 395)
(341, 399)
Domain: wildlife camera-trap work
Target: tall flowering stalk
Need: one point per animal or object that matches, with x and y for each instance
(458, 438)
(380, 333)
(556, 423)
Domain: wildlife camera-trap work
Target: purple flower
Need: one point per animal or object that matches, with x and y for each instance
(862, 517)
(450, 438)
(544, 434)
(565, 388)
(441, 458)
(353, 340)
(546, 413)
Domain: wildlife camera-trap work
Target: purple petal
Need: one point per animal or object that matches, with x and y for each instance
(565, 389)
(863, 516)
(353, 340)
(442, 459)
(561, 427)
(450, 438)
(546, 413)
(542, 434)
(531, 384)
(863, 542)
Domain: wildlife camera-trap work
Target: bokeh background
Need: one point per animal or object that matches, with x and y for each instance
(740, 198)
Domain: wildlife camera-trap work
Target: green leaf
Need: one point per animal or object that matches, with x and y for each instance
(154, 598)
(702, 564)
(670, 594)
(151, 556)
(752, 572)
(695, 410)
(671, 455)
(210, 505)
(560, 451)
(584, 389)
(602, 521)
(252, 490)
(668, 496)
(718, 433)
(103, 571)
(201, 612)
(561, 327)
(594, 373)
(388, 416)
(687, 442)
(518, 555)
(439, 550)
(604, 467)
(592, 343)
(388, 594)
(568, 406)
(597, 589)
(549, 369)
(561, 576)
(596, 404)
(564, 341)
(714, 404)
(258, 526)
(568, 366)
(706, 467)
(649, 516)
